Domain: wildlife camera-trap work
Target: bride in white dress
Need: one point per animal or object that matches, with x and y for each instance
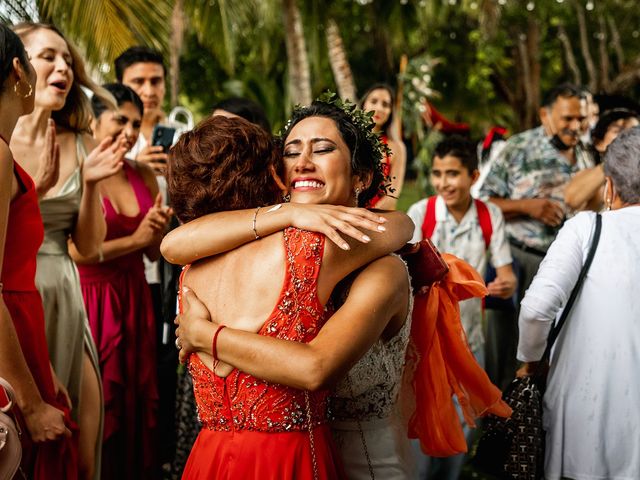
(367, 426)
(373, 322)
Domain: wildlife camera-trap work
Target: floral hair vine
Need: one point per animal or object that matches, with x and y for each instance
(363, 121)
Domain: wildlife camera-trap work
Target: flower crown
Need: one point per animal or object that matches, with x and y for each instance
(363, 121)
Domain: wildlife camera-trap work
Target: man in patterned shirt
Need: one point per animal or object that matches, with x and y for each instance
(527, 182)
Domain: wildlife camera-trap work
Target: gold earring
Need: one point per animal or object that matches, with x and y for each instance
(26, 95)
(607, 197)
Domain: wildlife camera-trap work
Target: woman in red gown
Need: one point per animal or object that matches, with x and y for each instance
(253, 428)
(379, 99)
(49, 451)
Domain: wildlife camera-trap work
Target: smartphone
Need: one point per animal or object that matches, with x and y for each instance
(163, 136)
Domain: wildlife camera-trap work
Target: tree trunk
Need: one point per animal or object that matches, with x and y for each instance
(227, 37)
(396, 124)
(615, 42)
(297, 59)
(519, 98)
(529, 54)
(526, 79)
(604, 57)
(627, 78)
(489, 19)
(572, 65)
(584, 47)
(176, 41)
(533, 50)
(340, 63)
(382, 43)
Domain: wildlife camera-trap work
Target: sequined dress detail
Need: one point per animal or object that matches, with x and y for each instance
(364, 404)
(256, 429)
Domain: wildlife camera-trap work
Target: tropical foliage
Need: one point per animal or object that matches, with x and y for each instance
(495, 57)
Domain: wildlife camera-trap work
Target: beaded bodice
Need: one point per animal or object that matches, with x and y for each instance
(243, 402)
(371, 387)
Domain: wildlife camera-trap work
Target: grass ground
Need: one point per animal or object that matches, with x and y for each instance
(410, 195)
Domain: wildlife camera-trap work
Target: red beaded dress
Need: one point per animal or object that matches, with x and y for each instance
(253, 429)
(53, 459)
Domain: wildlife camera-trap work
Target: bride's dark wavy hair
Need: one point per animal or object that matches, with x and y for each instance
(222, 164)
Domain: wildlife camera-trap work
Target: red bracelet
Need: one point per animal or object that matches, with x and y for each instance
(214, 344)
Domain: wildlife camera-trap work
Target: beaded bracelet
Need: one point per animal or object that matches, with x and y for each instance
(214, 346)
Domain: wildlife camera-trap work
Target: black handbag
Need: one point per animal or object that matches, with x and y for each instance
(513, 448)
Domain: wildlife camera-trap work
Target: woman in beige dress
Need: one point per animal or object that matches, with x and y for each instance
(52, 145)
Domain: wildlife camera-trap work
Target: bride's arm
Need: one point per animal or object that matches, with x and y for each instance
(378, 300)
(223, 231)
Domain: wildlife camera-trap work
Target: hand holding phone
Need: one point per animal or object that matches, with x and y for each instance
(163, 136)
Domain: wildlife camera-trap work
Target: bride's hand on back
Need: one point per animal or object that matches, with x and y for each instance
(195, 333)
(194, 325)
(334, 220)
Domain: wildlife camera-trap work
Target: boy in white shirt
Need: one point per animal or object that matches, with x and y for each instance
(469, 229)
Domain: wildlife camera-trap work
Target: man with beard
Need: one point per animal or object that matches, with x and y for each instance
(527, 182)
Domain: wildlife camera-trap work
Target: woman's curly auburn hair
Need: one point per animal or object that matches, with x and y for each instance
(222, 164)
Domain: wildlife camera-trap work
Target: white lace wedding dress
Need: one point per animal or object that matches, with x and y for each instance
(365, 422)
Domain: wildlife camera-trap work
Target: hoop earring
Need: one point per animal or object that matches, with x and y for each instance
(26, 95)
(357, 193)
(607, 198)
(286, 198)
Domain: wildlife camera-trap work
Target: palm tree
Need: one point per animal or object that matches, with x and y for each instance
(178, 25)
(298, 60)
(104, 28)
(340, 63)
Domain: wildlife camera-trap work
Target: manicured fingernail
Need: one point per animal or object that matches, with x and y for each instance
(382, 219)
(345, 246)
(382, 228)
(365, 238)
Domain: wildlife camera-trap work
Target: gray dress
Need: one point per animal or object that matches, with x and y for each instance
(66, 324)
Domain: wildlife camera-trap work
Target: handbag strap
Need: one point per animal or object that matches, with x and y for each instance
(7, 396)
(555, 331)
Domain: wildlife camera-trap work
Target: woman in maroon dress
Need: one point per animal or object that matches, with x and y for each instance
(49, 451)
(117, 297)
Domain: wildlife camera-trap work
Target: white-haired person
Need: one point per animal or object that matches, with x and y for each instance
(590, 404)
